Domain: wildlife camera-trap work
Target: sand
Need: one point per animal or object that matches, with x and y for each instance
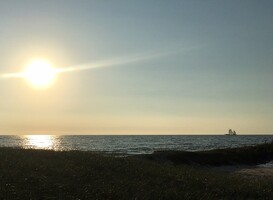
(246, 171)
(257, 172)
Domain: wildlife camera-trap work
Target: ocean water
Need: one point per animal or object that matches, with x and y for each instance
(126, 144)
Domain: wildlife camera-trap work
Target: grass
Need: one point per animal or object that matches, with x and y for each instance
(43, 174)
(250, 155)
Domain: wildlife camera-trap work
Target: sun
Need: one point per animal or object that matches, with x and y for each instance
(40, 74)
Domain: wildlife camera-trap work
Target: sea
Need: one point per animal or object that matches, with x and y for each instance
(131, 144)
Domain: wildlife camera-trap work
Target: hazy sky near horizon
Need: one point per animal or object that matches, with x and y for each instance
(213, 68)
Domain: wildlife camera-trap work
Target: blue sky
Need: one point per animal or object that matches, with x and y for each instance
(216, 73)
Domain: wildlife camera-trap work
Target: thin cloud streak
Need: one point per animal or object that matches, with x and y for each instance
(111, 62)
(107, 63)
(12, 75)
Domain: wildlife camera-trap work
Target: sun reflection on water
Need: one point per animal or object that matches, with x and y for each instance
(40, 141)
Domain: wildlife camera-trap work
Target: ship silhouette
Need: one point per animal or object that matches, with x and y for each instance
(231, 132)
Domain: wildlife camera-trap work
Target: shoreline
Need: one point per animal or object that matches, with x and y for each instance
(248, 155)
(47, 174)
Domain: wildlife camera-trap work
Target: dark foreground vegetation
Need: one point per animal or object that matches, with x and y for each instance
(251, 155)
(43, 174)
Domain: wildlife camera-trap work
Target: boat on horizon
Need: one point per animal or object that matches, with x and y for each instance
(231, 132)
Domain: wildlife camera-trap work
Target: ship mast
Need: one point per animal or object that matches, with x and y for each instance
(230, 131)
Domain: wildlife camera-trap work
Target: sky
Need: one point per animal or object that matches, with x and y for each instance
(202, 67)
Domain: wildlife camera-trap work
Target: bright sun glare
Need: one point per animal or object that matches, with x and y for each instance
(40, 74)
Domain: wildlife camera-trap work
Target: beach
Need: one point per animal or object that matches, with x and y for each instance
(136, 100)
(47, 174)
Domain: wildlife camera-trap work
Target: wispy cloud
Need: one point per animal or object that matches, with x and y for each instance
(104, 63)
